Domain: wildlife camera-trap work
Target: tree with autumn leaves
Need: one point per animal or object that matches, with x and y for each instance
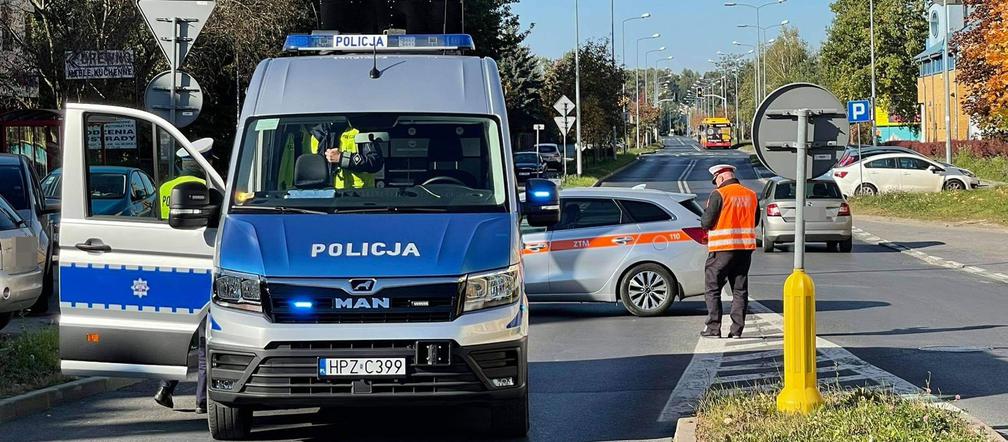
(982, 64)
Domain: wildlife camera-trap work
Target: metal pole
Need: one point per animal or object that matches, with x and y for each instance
(871, 27)
(637, 93)
(724, 95)
(759, 55)
(626, 136)
(860, 158)
(945, 77)
(175, 56)
(738, 121)
(577, 82)
(799, 239)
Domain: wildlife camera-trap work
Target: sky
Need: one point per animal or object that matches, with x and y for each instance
(692, 30)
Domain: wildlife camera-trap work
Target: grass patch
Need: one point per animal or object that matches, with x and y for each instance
(29, 361)
(847, 415)
(993, 168)
(592, 173)
(986, 205)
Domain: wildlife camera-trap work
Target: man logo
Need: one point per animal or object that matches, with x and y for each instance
(362, 285)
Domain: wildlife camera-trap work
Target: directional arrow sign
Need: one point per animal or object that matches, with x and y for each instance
(564, 105)
(564, 123)
(176, 21)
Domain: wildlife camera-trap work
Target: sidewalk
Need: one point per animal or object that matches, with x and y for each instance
(970, 247)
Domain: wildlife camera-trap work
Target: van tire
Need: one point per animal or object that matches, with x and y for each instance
(228, 423)
(643, 272)
(847, 245)
(510, 418)
(5, 318)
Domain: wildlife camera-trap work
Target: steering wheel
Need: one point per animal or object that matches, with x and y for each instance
(449, 179)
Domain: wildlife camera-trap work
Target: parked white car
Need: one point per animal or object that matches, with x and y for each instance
(901, 172)
(643, 248)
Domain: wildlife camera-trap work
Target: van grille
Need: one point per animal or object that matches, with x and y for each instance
(416, 303)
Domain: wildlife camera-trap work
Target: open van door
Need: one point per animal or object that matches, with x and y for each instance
(133, 290)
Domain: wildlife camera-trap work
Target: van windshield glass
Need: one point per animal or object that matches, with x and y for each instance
(370, 163)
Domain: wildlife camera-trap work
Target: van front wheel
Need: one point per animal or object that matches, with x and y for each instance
(510, 418)
(228, 423)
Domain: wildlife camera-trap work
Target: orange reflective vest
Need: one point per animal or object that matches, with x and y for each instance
(736, 225)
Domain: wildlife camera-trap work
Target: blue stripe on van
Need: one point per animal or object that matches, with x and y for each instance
(162, 289)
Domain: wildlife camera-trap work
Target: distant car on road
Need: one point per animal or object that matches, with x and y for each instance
(528, 165)
(19, 187)
(901, 172)
(827, 215)
(550, 154)
(642, 248)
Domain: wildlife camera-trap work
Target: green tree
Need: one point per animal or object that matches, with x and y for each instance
(845, 59)
(601, 81)
(522, 78)
(789, 60)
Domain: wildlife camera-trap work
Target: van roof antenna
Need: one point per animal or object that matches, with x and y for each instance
(375, 73)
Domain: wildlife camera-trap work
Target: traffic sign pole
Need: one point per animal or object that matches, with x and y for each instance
(801, 390)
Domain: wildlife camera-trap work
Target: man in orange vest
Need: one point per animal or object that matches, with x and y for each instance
(730, 220)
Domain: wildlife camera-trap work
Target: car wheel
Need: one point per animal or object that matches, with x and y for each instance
(510, 418)
(768, 244)
(5, 318)
(648, 290)
(955, 185)
(228, 423)
(866, 190)
(847, 245)
(832, 245)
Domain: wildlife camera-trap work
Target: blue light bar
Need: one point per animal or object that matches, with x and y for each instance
(303, 304)
(542, 194)
(322, 42)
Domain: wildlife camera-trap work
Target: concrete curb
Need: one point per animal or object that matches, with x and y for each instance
(41, 400)
(611, 174)
(685, 430)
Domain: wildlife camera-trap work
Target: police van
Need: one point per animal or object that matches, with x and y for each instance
(363, 251)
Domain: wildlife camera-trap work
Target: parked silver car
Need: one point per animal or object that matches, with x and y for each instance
(20, 271)
(827, 215)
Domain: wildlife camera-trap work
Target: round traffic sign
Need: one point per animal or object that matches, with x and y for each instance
(188, 98)
(775, 129)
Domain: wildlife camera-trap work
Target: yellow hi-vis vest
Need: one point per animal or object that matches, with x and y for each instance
(344, 179)
(164, 192)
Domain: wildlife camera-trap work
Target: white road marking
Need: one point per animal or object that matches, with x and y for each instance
(930, 259)
(711, 355)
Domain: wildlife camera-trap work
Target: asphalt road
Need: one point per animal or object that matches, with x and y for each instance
(597, 373)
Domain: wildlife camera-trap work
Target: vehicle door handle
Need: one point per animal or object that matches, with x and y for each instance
(94, 245)
(622, 240)
(535, 247)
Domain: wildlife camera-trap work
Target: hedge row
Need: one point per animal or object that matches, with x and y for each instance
(979, 148)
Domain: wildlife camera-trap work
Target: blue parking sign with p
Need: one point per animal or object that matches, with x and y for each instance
(859, 111)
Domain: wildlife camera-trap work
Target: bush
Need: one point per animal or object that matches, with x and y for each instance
(980, 148)
(29, 361)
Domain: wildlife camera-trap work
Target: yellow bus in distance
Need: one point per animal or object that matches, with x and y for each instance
(716, 132)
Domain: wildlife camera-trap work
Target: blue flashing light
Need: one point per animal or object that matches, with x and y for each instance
(542, 194)
(330, 42)
(303, 305)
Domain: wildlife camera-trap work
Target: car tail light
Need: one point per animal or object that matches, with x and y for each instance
(772, 210)
(846, 161)
(844, 210)
(840, 174)
(696, 234)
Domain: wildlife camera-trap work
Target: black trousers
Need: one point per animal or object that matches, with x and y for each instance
(730, 267)
(201, 386)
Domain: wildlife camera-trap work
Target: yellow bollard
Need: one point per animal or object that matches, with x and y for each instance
(801, 392)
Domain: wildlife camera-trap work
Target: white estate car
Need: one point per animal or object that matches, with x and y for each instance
(899, 172)
(643, 248)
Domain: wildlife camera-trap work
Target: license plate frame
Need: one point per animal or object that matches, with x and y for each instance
(357, 368)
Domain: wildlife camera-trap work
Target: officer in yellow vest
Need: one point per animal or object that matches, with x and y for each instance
(355, 163)
(190, 172)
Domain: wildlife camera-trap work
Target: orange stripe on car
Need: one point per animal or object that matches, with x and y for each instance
(604, 241)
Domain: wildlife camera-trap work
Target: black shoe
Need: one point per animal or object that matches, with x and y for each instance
(201, 409)
(164, 398)
(735, 335)
(711, 334)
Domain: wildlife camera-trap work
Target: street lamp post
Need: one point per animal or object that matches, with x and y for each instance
(577, 86)
(871, 27)
(637, 82)
(647, 65)
(735, 60)
(945, 78)
(623, 61)
(756, 98)
(759, 48)
(762, 57)
(664, 59)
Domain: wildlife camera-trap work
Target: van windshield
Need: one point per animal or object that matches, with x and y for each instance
(362, 163)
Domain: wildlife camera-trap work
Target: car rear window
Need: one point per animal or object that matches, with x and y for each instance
(813, 190)
(13, 187)
(548, 149)
(693, 206)
(644, 212)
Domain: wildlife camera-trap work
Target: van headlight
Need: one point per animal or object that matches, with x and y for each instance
(238, 290)
(492, 289)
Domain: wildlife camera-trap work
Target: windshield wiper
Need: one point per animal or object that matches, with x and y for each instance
(391, 210)
(281, 209)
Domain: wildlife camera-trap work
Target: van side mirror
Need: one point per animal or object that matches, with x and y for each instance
(51, 207)
(190, 206)
(542, 203)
